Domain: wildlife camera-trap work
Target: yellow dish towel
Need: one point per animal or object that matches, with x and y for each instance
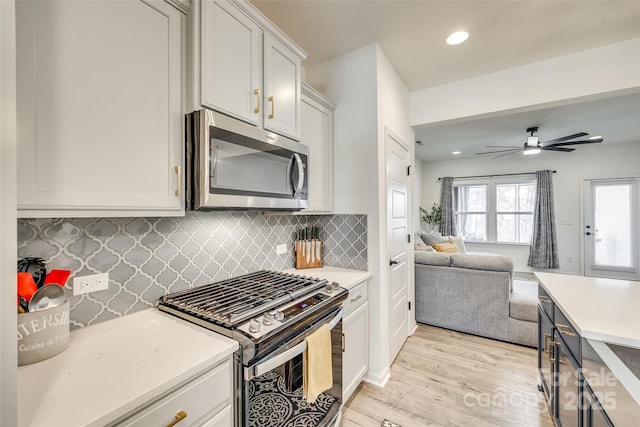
(317, 373)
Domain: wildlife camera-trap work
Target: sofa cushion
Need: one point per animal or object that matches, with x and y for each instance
(447, 247)
(433, 258)
(432, 238)
(489, 262)
(523, 302)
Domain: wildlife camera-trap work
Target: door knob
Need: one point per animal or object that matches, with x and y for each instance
(588, 233)
(392, 262)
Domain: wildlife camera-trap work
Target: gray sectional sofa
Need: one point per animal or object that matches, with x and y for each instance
(475, 294)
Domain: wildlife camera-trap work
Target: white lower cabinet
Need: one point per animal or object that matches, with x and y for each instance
(100, 88)
(355, 330)
(204, 401)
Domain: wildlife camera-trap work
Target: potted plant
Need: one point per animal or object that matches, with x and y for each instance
(433, 217)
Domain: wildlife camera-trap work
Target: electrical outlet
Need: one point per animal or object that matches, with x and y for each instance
(281, 249)
(90, 283)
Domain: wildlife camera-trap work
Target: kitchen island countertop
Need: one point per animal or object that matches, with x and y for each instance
(345, 277)
(112, 368)
(600, 309)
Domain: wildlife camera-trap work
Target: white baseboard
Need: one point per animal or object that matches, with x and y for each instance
(379, 380)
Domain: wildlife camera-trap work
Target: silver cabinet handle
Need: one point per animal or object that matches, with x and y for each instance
(273, 108)
(544, 299)
(356, 298)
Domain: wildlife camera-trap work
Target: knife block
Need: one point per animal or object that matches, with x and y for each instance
(308, 253)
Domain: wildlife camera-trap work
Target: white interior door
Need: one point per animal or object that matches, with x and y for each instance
(397, 240)
(612, 228)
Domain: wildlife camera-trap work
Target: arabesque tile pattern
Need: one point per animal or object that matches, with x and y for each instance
(149, 257)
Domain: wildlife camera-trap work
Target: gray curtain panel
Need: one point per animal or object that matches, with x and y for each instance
(448, 224)
(543, 252)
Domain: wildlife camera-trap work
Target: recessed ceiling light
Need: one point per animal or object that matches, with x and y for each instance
(457, 38)
(456, 152)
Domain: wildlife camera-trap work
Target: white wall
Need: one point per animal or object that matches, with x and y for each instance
(8, 229)
(370, 97)
(393, 114)
(579, 76)
(350, 81)
(592, 161)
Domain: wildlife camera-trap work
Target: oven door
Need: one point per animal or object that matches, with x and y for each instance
(272, 386)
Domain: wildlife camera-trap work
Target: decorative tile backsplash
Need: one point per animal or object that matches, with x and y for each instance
(149, 257)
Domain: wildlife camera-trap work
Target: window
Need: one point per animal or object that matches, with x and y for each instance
(500, 212)
(514, 212)
(471, 211)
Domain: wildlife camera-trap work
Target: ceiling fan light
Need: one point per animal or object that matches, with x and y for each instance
(532, 141)
(595, 137)
(529, 151)
(457, 38)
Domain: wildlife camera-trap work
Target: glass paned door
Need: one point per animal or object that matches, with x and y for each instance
(611, 228)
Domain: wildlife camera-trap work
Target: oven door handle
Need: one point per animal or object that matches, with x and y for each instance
(250, 372)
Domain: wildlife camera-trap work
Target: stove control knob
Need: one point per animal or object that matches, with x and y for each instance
(267, 319)
(328, 288)
(254, 325)
(279, 316)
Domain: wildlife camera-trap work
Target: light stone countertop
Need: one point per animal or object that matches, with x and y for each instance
(345, 277)
(112, 368)
(600, 309)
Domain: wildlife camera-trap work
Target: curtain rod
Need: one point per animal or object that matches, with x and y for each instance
(492, 176)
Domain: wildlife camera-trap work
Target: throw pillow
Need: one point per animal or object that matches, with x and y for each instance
(450, 248)
(432, 238)
(419, 246)
(459, 243)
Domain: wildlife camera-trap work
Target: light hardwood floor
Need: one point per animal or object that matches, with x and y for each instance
(445, 378)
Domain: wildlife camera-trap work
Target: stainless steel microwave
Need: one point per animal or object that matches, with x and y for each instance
(232, 165)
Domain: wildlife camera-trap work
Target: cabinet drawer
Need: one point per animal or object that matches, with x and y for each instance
(357, 297)
(545, 301)
(199, 399)
(567, 332)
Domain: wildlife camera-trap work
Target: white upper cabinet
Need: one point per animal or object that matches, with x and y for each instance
(231, 62)
(100, 108)
(281, 89)
(317, 133)
(244, 66)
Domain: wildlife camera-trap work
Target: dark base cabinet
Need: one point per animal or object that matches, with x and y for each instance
(568, 386)
(571, 402)
(592, 413)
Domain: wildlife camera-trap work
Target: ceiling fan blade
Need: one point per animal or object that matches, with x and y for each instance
(562, 139)
(584, 141)
(554, 148)
(504, 146)
(512, 150)
(505, 154)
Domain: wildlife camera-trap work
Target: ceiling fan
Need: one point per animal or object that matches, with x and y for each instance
(534, 145)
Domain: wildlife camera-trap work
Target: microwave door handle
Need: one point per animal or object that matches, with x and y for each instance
(251, 372)
(215, 161)
(298, 189)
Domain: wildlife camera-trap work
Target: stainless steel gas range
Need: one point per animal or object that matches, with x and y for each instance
(270, 314)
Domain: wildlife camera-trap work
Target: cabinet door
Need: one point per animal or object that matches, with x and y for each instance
(100, 102)
(317, 134)
(231, 62)
(282, 89)
(545, 366)
(593, 414)
(568, 386)
(355, 356)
